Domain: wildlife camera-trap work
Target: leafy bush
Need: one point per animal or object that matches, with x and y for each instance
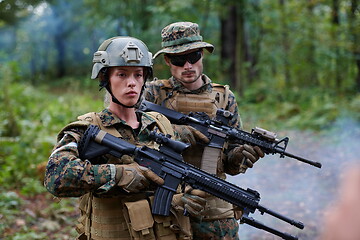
(30, 120)
(35, 218)
(9, 206)
(294, 108)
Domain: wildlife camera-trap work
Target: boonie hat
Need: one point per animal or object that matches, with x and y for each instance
(180, 37)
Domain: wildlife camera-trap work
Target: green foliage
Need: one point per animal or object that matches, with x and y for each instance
(20, 219)
(10, 202)
(295, 108)
(13, 10)
(30, 119)
(296, 43)
(9, 206)
(26, 234)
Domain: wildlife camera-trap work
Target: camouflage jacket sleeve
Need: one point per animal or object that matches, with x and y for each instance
(151, 91)
(69, 176)
(235, 122)
(233, 107)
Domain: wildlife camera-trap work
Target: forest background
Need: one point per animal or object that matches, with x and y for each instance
(293, 65)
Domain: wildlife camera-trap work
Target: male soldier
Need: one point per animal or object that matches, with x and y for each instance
(113, 194)
(189, 90)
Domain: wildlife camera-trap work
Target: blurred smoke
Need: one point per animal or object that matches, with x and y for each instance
(298, 190)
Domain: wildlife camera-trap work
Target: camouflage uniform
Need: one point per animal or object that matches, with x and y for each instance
(64, 162)
(218, 221)
(69, 176)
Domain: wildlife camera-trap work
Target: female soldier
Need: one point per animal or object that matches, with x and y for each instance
(113, 199)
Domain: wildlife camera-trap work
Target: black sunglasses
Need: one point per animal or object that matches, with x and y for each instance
(180, 60)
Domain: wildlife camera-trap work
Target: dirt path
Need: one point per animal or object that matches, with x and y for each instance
(297, 190)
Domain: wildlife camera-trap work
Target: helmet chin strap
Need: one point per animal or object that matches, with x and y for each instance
(106, 85)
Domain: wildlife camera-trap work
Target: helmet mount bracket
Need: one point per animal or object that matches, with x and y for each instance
(131, 53)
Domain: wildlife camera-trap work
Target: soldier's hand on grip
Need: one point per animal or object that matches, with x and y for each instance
(190, 135)
(133, 177)
(194, 201)
(245, 155)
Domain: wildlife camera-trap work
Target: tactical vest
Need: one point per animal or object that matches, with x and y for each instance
(128, 217)
(189, 102)
(208, 159)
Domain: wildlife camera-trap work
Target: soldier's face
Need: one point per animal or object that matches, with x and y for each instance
(189, 73)
(126, 83)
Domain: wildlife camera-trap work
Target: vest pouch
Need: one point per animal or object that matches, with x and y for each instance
(84, 222)
(107, 219)
(80, 227)
(163, 228)
(140, 220)
(82, 236)
(182, 225)
(176, 226)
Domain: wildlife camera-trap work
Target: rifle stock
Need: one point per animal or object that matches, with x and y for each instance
(167, 162)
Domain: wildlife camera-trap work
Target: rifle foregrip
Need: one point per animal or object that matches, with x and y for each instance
(162, 201)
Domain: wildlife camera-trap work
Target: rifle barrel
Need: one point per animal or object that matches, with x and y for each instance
(316, 164)
(263, 209)
(252, 222)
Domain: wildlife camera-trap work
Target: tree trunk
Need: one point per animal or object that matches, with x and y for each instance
(256, 40)
(228, 48)
(336, 23)
(60, 60)
(353, 22)
(32, 63)
(285, 43)
(246, 56)
(311, 77)
(59, 38)
(240, 47)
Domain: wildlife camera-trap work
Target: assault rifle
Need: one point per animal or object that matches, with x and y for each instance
(218, 131)
(167, 162)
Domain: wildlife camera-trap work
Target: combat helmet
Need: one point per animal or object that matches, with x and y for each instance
(121, 51)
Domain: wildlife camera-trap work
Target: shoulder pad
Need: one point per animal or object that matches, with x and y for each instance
(163, 123)
(154, 115)
(225, 89)
(217, 85)
(77, 124)
(84, 121)
(89, 117)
